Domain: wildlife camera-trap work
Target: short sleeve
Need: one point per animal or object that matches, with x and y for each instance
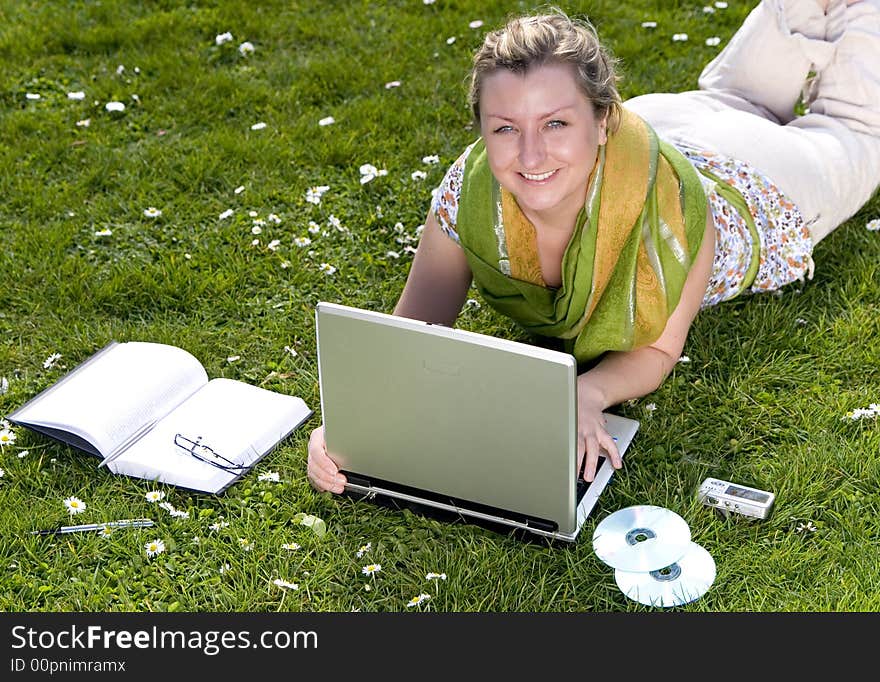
(444, 205)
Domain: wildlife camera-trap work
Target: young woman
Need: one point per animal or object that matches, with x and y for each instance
(610, 225)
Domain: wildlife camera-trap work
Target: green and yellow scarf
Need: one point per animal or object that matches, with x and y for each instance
(626, 263)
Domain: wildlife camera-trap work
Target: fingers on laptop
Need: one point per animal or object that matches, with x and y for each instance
(596, 445)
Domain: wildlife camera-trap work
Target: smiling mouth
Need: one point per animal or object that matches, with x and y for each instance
(537, 177)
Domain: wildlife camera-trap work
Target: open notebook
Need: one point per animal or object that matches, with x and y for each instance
(455, 420)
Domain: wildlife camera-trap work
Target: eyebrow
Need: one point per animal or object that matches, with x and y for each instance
(542, 116)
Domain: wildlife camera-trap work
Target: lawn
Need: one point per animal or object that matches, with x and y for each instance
(265, 156)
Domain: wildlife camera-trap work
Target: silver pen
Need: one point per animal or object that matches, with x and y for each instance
(123, 523)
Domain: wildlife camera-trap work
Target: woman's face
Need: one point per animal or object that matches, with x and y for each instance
(542, 138)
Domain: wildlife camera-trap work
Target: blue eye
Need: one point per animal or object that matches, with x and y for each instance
(556, 123)
(503, 129)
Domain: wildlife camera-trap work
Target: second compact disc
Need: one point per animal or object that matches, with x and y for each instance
(684, 581)
(641, 538)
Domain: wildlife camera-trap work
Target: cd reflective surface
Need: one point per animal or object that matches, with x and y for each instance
(684, 581)
(641, 538)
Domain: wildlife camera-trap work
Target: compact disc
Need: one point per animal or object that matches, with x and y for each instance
(641, 538)
(682, 582)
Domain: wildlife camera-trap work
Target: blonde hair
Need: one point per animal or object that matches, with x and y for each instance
(554, 38)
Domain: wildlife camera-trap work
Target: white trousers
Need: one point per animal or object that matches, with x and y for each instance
(826, 161)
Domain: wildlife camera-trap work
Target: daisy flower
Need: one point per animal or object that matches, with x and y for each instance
(270, 476)
(363, 549)
(219, 525)
(23, 454)
(290, 350)
(392, 254)
(105, 531)
(258, 126)
(450, 40)
(152, 212)
(76, 95)
(246, 48)
(415, 601)
(392, 84)
(302, 241)
(273, 245)
(7, 437)
(435, 576)
(873, 225)
(314, 194)
(2, 473)
(326, 121)
(714, 41)
(245, 544)
(290, 546)
(225, 567)
(370, 569)
(650, 407)
(476, 23)
(239, 189)
(49, 362)
(154, 547)
(222, 38)
(32, 96)
(419, 175)
(431, 160)
(233, 358)
(106, 232)
(272, 218)
(314, 228)
(679, 37)
(226, 214)
(114, 107)
(326, 268)
(74, 505)
(285, 585)
(155, 496)
(84, 123)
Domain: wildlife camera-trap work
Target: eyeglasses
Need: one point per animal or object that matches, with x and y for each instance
(207, 454)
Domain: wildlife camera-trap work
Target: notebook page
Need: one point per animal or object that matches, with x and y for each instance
(240, 421)
(123, 391)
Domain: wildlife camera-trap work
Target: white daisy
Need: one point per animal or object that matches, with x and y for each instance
(221, 38)
(314, 194)
(154, 547)
(114, 107)
(23, 454)
(392, 84)
(106, 232)
(314, 228)
(233, 358)
(450, 40)
(326, 268)
(290, 350)
(7, 437)
(292, 546)
(239, 189)
(649, 24)
(225, 567)
(256, 229)
(245, 544)
(2, 473)
(435, 576)
(415, 601)
(32, 96)
(419, 175)
(74, 505)
(302, 241)
(219, 525)
(476, 23)
(84, 123)
(370, 569)
(285, 585)
(363, 549)
(679, 37)
(714, 41)
(152, 212)
(431, 159)
(246, 48)
(326, 121)
(273, 245)
(272, 218)
(226, 214)
(258, 126)
(392, 254)
(873, 225)
(76, 95)
(155, 496)
(270, 476)
(49, 362)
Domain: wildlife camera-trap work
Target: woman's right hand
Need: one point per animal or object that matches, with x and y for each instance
(322, 471)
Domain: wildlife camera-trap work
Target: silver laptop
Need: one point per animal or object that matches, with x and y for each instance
(454, 420)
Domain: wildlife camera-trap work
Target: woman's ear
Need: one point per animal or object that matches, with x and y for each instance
(603, 129)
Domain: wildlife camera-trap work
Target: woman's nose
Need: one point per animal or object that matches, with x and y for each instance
(531, 151)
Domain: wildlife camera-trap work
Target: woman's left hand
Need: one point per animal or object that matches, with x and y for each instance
(593, 440)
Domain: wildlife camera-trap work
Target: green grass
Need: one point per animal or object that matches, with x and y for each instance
(760, 403)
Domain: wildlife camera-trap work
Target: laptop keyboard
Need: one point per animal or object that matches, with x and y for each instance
(582, 485)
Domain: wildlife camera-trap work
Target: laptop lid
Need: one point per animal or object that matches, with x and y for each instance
(454, 419)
